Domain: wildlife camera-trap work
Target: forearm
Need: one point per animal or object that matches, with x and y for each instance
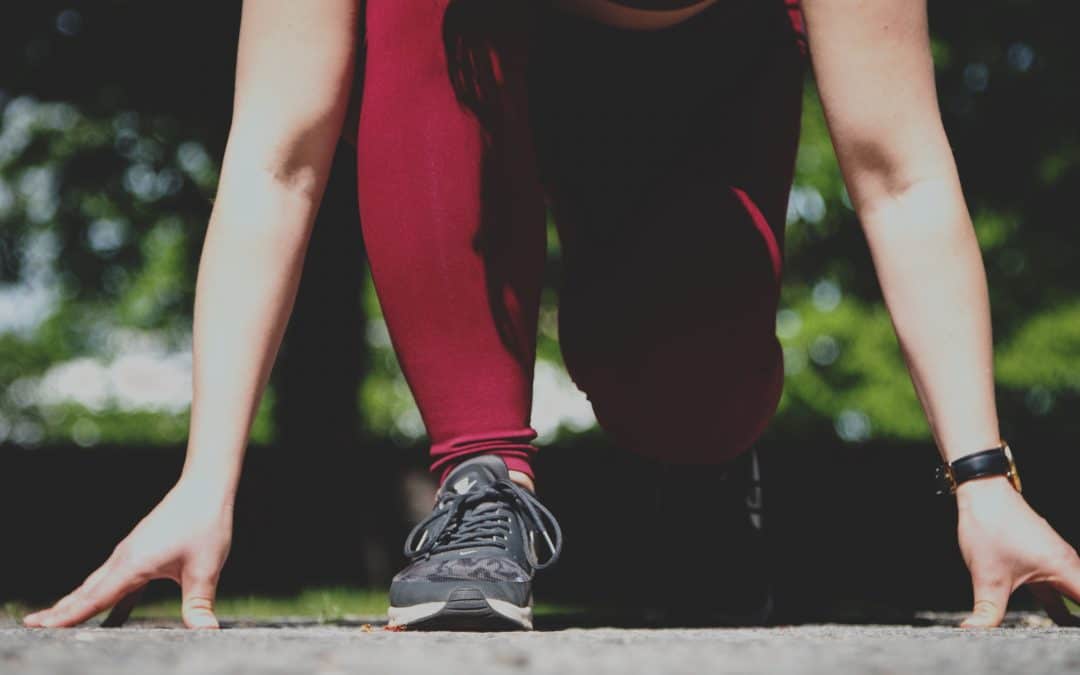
(294, 68)
(932, 276)
(248, 276)
(876, 79)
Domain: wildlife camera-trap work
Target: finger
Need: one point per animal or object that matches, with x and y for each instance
(197, 608)
(71, 598)
(1051, 601)
(86, 603)
(122, 610)
(34, 620)
(100, 573)
(991, 599)
(37, 619)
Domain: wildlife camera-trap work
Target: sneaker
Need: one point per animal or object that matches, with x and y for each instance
(472, 560)
(720, 510)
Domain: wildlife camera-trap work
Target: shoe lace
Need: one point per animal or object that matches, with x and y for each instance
(464, 525)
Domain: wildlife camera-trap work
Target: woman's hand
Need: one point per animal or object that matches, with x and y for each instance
(185, 538)
(1007, 545)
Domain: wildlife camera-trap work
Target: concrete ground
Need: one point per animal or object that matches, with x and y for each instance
(1027, 646)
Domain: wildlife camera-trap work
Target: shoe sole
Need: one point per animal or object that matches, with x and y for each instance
(465, 609)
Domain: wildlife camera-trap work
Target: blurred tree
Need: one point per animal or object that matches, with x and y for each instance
(113, 114)
(1008, 83)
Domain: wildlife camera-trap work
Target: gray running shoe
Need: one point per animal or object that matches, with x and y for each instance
(473, 558)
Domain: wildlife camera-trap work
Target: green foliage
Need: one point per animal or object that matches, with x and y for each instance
(858, 384)
(103, 209)
(844, 364)
(1044, 352)
(844, 374)
(386, 404)
(100, 219)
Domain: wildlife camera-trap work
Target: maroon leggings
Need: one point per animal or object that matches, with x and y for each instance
(666, 158)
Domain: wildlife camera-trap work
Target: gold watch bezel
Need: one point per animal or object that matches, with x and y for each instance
(1014, 473)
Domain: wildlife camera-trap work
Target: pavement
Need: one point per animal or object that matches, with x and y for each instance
(1027, 646)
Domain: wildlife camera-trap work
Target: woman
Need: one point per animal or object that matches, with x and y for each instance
(672, 148)
(666, 133)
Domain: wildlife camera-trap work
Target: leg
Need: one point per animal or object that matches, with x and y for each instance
(673, 339)
(670, 193)
(669, 179)
(459, 276)
(454, 225)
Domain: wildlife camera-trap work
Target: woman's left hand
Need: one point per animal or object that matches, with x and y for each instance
(1006, 545)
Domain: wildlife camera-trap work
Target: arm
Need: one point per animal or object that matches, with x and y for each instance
(293, 78)
(294, 74)
(875, 75)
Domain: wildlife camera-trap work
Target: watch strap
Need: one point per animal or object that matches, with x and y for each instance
(993, 462)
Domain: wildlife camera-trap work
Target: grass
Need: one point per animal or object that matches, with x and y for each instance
(13, 610)
(321, 604)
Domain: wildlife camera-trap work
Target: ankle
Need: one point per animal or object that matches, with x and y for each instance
(524, 480)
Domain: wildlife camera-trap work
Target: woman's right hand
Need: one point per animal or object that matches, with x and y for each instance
(185, 538)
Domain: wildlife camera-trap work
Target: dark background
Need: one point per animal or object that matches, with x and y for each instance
(330, 486)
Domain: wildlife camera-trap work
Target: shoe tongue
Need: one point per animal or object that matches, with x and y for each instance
(483, 470)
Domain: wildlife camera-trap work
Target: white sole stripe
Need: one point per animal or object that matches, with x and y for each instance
(403, 616)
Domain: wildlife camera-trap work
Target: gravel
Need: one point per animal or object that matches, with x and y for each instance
(1027, 646)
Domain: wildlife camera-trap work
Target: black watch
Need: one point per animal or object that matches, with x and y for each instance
(993, 462)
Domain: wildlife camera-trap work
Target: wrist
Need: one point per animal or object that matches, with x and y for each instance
(988, 489)
(212, 469)
(962, 446)
(211, 488)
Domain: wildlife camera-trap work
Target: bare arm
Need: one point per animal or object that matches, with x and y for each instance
(292, 84)
(294, 73)
(875, 74)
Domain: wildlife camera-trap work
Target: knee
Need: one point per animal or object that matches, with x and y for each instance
(687, 407)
